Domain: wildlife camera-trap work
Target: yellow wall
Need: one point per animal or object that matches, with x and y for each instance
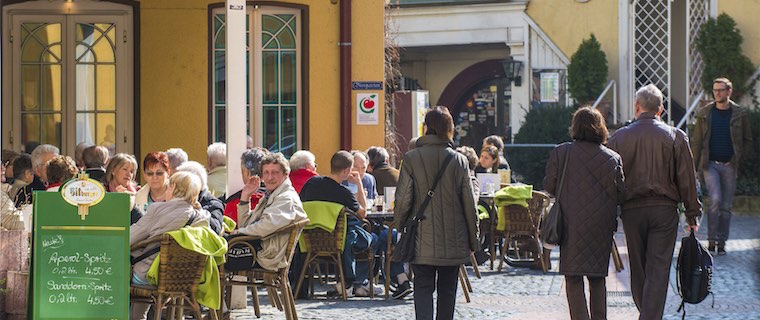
(174, 75)
(745, 13)
(567, 23)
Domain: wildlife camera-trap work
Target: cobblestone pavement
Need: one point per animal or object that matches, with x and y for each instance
(520, 293)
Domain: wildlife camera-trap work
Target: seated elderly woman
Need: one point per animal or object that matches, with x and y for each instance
(279, 208)
(120, 174)
(155, 168)
(59, 169)
(180, 209)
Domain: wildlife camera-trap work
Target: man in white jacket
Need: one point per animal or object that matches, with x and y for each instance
(279, 208)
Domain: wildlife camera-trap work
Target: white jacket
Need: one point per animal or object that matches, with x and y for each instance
(279, 209)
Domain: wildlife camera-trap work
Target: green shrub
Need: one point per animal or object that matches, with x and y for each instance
(749, 174)
(587, 71)
(546, 125)
(719, 42)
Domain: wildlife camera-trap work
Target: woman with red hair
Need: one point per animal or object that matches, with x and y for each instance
(155, 172)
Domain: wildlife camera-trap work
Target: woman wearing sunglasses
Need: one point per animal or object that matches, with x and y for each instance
(155, 168)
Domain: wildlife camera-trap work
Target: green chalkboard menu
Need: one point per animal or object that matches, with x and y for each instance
(80, 253)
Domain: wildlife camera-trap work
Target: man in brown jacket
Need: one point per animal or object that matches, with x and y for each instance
(720, 141)
(659, 172)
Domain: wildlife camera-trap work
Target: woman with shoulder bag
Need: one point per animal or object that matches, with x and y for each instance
(591, 188)
(435, 194)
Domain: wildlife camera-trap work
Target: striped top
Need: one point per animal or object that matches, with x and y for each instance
(721, 148)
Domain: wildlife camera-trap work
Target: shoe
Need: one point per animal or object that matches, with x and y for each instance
(711, 246)
(721, 249)
(336, 291)
(403, 290)
(363, 291)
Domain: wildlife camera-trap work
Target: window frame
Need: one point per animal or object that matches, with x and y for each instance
(255, 10)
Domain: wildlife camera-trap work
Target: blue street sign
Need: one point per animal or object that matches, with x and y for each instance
(366, 85)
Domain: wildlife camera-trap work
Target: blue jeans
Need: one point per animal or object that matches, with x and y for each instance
(357, 240)
(720, 180)
(396, 267)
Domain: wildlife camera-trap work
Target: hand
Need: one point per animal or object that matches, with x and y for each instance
(251, 186)
(694, 228)
(355, 179)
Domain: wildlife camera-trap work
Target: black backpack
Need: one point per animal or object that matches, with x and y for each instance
(693, 272)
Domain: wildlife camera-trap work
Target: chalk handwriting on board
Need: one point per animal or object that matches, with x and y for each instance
(52, 242)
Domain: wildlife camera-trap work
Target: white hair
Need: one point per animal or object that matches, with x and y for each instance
(197, 169)
(217, 154)
(40, 153)
(177, 156)
(300, 159)
(649, 98)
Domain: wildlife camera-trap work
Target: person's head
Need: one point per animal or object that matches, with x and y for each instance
(413, 143)
(79, 153)
(8, 156)
(184, 186)
(22, 168)
(156, 170)
(341, 165)
(722, 89)
(217, 155)
(377, 156)
(274, 170)
(472, 156)
(121, 170)
(494, 140)
(648, 99)
(248, 142)
(303, 159)
(40, 156)
(438, 122)
(177, 156)
(60, 169)
(360, 162)
(489, 157)
(30, 146)
(250, 162)
(95, 157)
(588, 125)
(197, 169)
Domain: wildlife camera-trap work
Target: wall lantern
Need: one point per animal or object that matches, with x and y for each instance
(513, 70)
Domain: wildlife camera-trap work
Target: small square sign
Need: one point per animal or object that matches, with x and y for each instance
(367, 108)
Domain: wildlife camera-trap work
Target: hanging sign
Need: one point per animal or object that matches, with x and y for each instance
(366, 85)
(367, 108)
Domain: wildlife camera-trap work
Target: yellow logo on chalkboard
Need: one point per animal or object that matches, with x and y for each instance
(83, 192)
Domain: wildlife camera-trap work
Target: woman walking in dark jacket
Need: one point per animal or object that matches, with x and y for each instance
(448, 232)
(594, 186)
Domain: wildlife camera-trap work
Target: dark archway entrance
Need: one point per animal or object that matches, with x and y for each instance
(479, 99)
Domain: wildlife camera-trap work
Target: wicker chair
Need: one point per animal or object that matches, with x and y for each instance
(323, 245)
(272, 280)
(179, 274)
(525, 222)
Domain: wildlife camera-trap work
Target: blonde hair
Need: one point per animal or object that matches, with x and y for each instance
(119, 160)
(187, 186)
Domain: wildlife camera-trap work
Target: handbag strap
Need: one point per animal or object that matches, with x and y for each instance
(421, 213)
(562, 175)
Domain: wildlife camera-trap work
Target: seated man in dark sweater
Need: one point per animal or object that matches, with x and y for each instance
(328, 188)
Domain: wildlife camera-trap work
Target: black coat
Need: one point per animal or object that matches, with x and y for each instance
(215, 207)
(24, 195)
(594, 186)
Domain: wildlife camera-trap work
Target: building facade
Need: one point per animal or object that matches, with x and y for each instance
(139, 76)
(464, 51)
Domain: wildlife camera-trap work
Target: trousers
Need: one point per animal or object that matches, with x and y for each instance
(576, 298)
(428, 279)
(720, 180)
(651, 236)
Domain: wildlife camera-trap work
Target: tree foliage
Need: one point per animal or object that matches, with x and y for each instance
(719, 42)
(587, 71)
(545, 125)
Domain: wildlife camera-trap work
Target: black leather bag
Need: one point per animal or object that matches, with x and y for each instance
(551, 224)
(404, 250)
